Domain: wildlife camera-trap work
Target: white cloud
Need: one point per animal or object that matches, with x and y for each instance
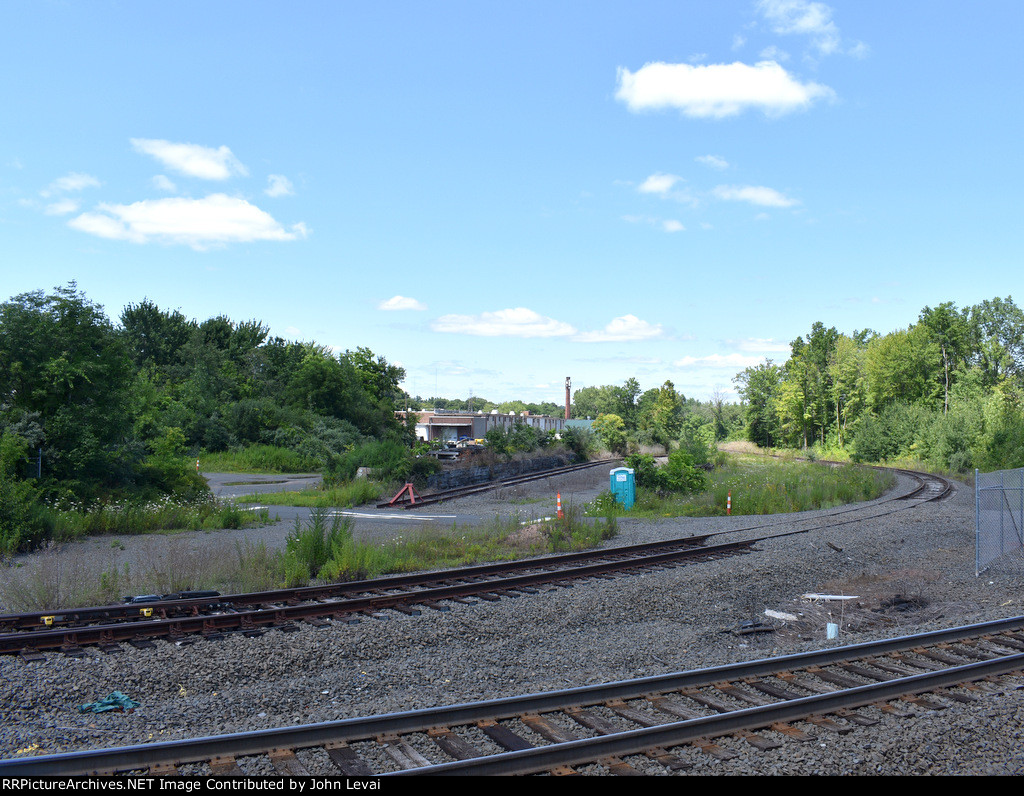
(74, 181)
(191, 159)
(517, 322)
(279, 186)
(773, 53)
(665, 224)
(806, 18)
(754, 194)
(401, 303)
(859, 50)
(200, 223)
(717, 90)
(627, 328)
(659, 183)
(61, 207)
(719, 361)
(760, 344)
(162, 183)
(713, 162)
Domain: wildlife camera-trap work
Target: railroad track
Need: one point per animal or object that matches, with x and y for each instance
(637, 726)
(179, 620)
(464, 491)
(210, 616)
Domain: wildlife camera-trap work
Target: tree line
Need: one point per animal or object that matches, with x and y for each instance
(93, 408)
(948, 390)
(627, 417)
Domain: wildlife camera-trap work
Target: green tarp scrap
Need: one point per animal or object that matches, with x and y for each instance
(116, 701)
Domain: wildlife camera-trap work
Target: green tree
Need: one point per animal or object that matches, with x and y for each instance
(997, 329)
(758, 387)
(903, 367)
(611, 429)
(661, 415)
(950, 330)
(61, 360)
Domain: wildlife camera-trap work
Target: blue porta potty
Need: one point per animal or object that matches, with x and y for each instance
(623, 486)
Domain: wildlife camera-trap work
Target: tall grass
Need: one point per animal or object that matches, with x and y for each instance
(74, 522)
(765, 486)
(321, 549)
(350, 494)
(259, 459)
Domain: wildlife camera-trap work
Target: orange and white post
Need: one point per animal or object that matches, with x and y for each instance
(728, 504)
(560, 515)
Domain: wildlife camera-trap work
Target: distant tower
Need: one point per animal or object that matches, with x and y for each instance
(568, 384)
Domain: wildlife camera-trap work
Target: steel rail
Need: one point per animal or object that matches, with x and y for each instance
(200, 750)
(186, 617)
(189, 607)
(631, 742)
(487, 486)
(250, 620)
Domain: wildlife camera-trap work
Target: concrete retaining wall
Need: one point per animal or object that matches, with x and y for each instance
(467, 476)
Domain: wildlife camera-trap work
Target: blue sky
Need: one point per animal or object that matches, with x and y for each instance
(496, 196)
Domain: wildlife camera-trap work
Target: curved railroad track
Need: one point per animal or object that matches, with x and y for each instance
(191, 616)
(634, 726)
(475, 489)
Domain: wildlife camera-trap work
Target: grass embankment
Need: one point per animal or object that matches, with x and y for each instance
(321, 550)
(353, 493)
(760, 485)
(324, 549)
(155, 517)
(263, 459)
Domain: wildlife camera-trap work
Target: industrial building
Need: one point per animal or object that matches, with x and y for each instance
(451, 425)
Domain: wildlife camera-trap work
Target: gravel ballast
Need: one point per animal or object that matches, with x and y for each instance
(599, 631)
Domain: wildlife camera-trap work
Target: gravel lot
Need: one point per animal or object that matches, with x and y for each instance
(633, 626)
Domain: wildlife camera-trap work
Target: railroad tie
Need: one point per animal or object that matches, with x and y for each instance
(548, 729)
(892, 710)
(941, 657)
(711, 748)
(673, 708)
(856, 717)
(402, 753)
(709, 701)
(835, 678)
(956, 696)
(348, 762)
(670, 761)
(974, 653)
(1004, 642)
(792, 732)
(592, 721)
(866, 673)
(452, 745)
(758, 741)
(742, 696)
(504, 737)
(923, 702)
(777, 691)
(225, 767)
(825, 723)
(619, 767)
(285, 761)
(632, 714)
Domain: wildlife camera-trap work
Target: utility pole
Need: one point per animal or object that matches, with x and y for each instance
(568, 385)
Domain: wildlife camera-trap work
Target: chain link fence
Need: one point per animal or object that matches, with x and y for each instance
(999, 515)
